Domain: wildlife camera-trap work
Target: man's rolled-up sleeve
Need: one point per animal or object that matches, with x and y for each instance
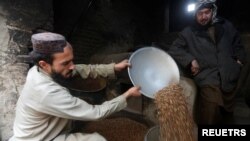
(93, 71)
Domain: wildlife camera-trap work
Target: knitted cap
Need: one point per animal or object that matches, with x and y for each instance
(48, 42)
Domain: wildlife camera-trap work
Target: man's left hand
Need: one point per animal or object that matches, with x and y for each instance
(239, 62)
(122, 65)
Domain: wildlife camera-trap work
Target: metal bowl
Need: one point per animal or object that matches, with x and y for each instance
(91, 90)
(152, 69)
(153, 134)
(90, 85)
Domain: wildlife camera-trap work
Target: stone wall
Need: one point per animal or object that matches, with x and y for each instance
(18, 20)
(12, 76)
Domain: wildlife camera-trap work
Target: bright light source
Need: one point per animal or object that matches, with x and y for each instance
(191, 7)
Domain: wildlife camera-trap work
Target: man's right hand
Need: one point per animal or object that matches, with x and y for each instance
(134, 91)
(195, 68)
(122, 65)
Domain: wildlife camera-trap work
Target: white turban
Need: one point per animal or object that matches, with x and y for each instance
(207, 4)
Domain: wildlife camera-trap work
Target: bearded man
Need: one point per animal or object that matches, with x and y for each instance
(210, 49)
(45, 108)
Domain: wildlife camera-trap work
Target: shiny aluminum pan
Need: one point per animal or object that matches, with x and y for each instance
(152, 69)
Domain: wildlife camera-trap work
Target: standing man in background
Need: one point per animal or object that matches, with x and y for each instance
(211, 50)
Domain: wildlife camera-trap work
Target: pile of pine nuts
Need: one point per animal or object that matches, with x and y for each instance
(176, 122)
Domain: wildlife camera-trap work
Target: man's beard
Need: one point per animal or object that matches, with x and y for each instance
(60, 79)
(203, 27)
(206, 23)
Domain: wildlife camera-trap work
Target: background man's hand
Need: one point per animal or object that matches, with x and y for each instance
(239, 62)
(122, 65)
(195, 68)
